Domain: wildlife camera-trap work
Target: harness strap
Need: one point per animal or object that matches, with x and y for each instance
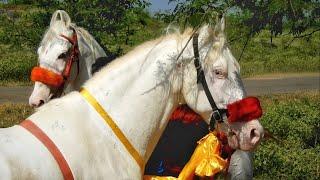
(216, 116)
(116, 130)
(52, 148)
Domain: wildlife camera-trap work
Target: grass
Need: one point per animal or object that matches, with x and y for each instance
(12, 114)
(16, 65)
(260, 57)
(294, 119)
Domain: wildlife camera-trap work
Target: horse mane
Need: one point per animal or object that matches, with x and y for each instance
(94, 45)
(48, 35)
(144, 48)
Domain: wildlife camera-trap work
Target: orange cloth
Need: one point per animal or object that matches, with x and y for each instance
(205, 161)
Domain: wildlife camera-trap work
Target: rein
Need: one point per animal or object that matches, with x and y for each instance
(54, 79)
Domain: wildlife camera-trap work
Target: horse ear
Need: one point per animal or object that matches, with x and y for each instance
(206, 34)
(60, 15)
(220, 25)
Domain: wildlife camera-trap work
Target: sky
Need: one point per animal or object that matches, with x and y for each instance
(156, 5)
(162, 5)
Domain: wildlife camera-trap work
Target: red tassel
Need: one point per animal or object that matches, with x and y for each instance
(244, 110)
(185, 114)
(47, 77)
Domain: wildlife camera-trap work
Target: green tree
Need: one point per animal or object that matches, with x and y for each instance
(250, 17)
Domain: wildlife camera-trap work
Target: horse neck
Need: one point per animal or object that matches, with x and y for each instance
(137, 92)
(86, 41)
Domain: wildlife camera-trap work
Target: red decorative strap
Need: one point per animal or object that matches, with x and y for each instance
(38, 133)
(74, 55)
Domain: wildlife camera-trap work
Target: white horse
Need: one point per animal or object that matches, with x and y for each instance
(139, 91)
(54, 52)
(54, 46)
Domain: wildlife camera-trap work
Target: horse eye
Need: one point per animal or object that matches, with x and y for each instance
(62, 56)
(218, 73)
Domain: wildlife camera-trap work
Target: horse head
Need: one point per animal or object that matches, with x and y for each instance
(220, 72)
(66, 54)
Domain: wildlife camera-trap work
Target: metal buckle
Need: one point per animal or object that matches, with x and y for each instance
(216, 116)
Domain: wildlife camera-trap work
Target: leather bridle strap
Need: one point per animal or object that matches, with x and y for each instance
(52, 148)
(217, 113)
(74, 56)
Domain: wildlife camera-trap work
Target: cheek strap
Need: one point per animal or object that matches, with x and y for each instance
(47, 77)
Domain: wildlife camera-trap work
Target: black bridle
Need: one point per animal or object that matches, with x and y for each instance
(217, 114)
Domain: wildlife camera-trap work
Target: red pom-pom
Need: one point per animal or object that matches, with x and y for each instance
(244, 110)
(185, 114)
(46, 76)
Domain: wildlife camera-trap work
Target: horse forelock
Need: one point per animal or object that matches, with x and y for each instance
(219, 50)
(55, 30)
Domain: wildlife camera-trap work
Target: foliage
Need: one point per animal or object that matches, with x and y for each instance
(21, 26)
(261, 57)
(16, 64)
(247, 18)
(294, 119)
(252, 14)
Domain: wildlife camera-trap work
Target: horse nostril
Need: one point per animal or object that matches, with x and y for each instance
(254, 136)
(41, 103)
(252, 133)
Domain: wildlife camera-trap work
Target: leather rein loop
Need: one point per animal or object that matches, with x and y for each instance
(217, 113)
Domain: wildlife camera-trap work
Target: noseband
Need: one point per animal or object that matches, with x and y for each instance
(243, 110)
(54, 79)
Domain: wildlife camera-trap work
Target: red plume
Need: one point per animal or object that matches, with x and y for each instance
(244, 110)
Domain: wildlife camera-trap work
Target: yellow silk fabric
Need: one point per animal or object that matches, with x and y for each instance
(205, 161)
